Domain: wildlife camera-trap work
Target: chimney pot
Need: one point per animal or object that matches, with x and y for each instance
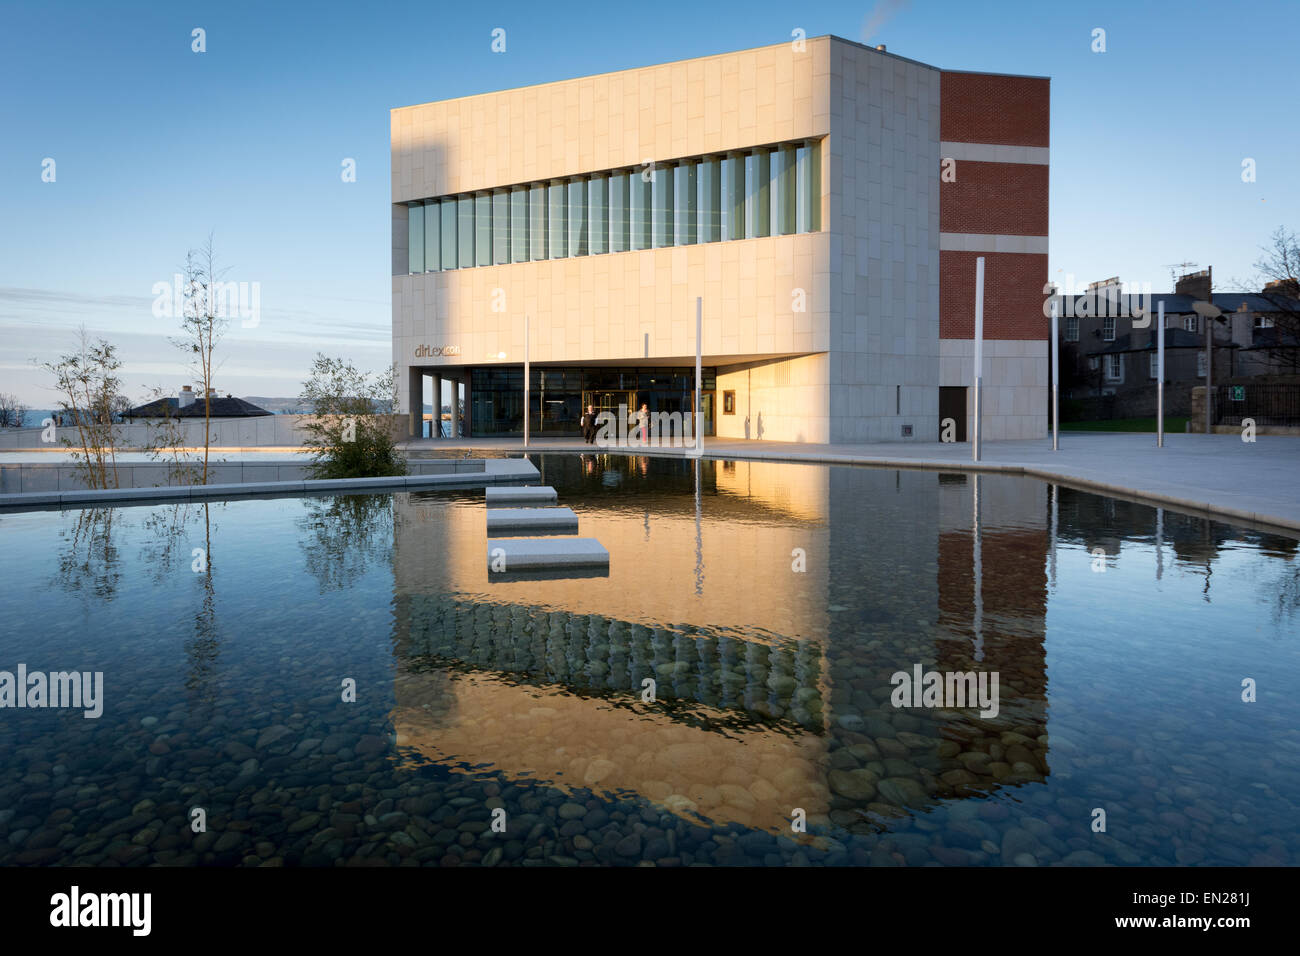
(880, 47)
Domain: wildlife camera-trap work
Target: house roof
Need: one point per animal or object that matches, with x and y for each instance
(221, 408)
(1145, 341)
(1227, 301)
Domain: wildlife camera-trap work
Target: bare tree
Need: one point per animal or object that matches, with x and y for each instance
(1279, 268)
(88, 388)
(12, 411)
(168, 442)
(203, 325)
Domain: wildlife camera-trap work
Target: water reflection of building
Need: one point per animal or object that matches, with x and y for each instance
(755, 664)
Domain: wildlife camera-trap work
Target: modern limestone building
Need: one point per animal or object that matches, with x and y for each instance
(826, 200)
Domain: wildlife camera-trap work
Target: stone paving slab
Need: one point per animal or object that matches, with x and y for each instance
(520, 494)
(502, 521)
(534, 554)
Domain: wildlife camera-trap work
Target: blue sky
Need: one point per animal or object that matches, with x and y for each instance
(156, 146)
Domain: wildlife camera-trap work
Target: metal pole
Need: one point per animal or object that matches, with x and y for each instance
(527, 409)
(1160, 375)
(979, 354)
(1209, 370)
(1056, 382)
(699, 373)
(977, 574)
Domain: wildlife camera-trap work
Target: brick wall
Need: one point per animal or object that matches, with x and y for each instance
(1013, 295)
(985, 108)
(1005, 198)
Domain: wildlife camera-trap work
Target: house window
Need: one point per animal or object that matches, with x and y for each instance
(1263, 321)
(1200, 365)
(1108, 328)
(1153, 365)
(1094, 363)
(1114, 368)
(1189, 323)
(1072, 329)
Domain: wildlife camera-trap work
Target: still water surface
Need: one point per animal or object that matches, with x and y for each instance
(768, 604)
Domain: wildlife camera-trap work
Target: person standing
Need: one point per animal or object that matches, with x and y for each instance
(589, 425)
(643, 423)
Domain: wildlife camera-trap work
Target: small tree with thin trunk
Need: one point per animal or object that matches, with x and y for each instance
(167, 442)
(88, 389)
(353, 432)
(203, 326)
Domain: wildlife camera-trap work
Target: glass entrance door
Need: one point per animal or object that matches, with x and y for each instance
(608, 400)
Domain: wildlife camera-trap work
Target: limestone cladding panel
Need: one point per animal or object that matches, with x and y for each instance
(689, 108)
(883, 219)
(596, 308)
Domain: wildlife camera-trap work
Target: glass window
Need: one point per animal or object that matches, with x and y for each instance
(808, 201)
(500, 227)
(758, 191)
(557, 207)
(519, 224)
(1114, 368)
(577, 217)
(1189, 323)
(598, 214)
(639, 209)
(709, 202)
(661, 197)
(1200, 365)
(415, 238)
(1108, 328)
(537, 222)
(432, 237)
(685, 190)
(1153, 365)
(447, 213)
(733, 221)
(620, 198)
(1072, 329)
(465, 230)
(783, 191)
(483, 229)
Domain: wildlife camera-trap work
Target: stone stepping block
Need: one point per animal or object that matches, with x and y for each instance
(537, 520)
(508, 555)
(520, 495)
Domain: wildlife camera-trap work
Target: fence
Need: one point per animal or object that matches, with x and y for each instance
(1266, 404)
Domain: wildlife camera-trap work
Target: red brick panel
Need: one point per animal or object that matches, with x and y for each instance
(1013, 295)
(1003, 198)
(988, 108)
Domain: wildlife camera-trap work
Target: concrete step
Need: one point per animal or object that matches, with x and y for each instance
(507, 555)
(504, 521)
(520, 495)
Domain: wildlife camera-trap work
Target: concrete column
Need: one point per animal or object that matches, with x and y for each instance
(414, 400)
(455, 408)
(435, 427)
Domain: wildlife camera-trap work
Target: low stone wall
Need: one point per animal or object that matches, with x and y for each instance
(19, 478)
(264, 431)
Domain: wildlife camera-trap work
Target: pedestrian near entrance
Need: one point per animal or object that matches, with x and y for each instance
(589, 425)
(643, 423)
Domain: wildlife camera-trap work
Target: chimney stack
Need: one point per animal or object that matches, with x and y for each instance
(186, 398)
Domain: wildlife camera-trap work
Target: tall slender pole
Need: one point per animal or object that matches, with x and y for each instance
(1209, 369)
(977, 574)
(1056, 382)
(1160, 375)
(699, 374)
(979, 354)
(527, 377)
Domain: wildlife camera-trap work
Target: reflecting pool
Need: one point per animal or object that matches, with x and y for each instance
(341, 681)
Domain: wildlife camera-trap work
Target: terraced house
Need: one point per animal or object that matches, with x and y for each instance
(826, 201)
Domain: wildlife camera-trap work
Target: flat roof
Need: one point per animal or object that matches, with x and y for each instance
(709, 56)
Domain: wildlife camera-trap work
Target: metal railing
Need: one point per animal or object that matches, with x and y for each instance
(1265, 404)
